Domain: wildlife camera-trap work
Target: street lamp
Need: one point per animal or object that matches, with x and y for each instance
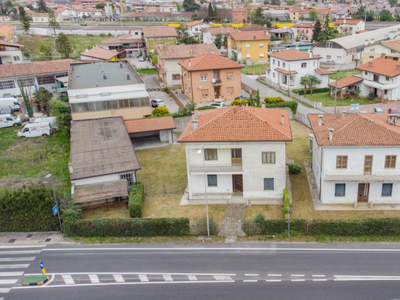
(201, 150)
(48, 176)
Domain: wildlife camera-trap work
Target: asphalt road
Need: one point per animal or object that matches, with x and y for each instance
(213, 271)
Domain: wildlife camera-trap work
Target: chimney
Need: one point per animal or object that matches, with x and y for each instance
(121, 66)
(331, 134)
(190, 64)
(392, 119)
(193, 118)
(104, 75)
(297, 47)
(263, 105)
(128, 76)
(369, 64)
(383, 55)
(283, 119)
(344, 113)
(320, 120)
(194, 124)
(254, 37)
(309, 52)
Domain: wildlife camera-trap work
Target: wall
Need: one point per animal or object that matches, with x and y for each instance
(126, 113)
(334, 53)
(181, 123)
(172, 68)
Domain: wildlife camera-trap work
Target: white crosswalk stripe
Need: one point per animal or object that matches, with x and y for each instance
(4, 291)
(119, 278)
(14, 266)
(8, 259)
(167, 277)
(8, 281)
(222, 277)
(8, 274)
(94, 278)
(143, 278)
(68, 279)
(192, 277)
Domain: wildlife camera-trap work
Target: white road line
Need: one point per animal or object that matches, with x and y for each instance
(18, 273)
(4, 291)
(250, 274)
(297, 275)
(132, 273)
(273, 280)
(192, 277)
(68, 279)
(20, 252)
(94, 279)
(8, 281)
(143, 278)
(276, 275)
(119, 278)
(222, 277)
(16, 266)
(1, 298)
(322, 279)
(364, 278)
(298, 280)
(250, 280)
(50, 280)
(16, 259)
(167, 277)
(318, 275)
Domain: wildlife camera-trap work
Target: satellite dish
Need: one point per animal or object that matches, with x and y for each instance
(199, 87)
(213, 80)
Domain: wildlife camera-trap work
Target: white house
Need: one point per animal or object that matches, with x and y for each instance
(240, 152)
(209, 34)
(391, 49)
(287, 67)
(354, 158)
(195, 28)
(350, 26)
(10, 53)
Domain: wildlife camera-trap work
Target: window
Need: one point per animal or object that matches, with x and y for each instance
(273, 61)
(387, 189)
(46, 80)
(392, 51)
(328, 57)
(395, 58)
(229, 75)
(247, 46)
(210, 154)
(203, 77)
(212, 180)
(5, 85)
(339, 58)
(390, 161)
(247, 55)
(204, 93)
(273, 75)
(16, 58)
(261, 54)
(268, 184)
(279, 63)
(372, 50)
(176, 76)
(371, 58)
(283, 65)
(268, 157)
(304, 65)
(340, 189)
(366, 73)
(129, 177)
(26, 82)
(387, 78)
(229, 90)
(261, 45)
(328, 44)
(341, 162)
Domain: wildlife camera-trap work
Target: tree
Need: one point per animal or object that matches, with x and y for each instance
(266, 2)
(179, 6)
(302, 17)
(289, 2)
(100, 5)
(42, 98)
(259, 13)
(356, 60)
(362, 13)
(218, 40)
(52, 21)
(305, 81)
(258, 101)
(25, 97)
(48, 51)
(24, 18)
(329, 32)
(42, 6)
(313, 81)
(316, 30)
(393, 3)
(63, 114)
(190, 5)
(251, 102)
(63, 45)
(385, 16)
(312, 14)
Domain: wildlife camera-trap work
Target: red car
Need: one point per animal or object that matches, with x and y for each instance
(394, 111)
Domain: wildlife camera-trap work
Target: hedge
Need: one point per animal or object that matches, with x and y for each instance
(291, 104)
(356, 228)
(136, 199)
(315, 90)
(28, 208)
(206, 107)
(273, 100)
(239, 102)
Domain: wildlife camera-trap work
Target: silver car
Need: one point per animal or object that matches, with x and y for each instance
(218, 104)
(157, 103)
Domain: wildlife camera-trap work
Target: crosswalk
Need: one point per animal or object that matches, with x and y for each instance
(14, 260)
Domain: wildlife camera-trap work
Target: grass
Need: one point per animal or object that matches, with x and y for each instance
(147, 71)
(270, 211)
(80, 43)
(254, 69)
(107, 211)
(329, 101)
(344, 74)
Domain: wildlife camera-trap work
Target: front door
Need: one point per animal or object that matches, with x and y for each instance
(237, 181)
(363, 192)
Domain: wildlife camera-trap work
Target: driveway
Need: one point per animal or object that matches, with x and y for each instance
(140, 64)
(170, 103)
(151, 81)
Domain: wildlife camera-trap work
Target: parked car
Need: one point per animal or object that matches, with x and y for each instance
(378, 110)
(157, 103)
(218, 104)
(330, 62)
(52, 121)
(6, 111)
(8, 95)
(9, 121)
(142, 58)
(83, 24)
(394, 111)
(10, 102)
(35, 130)
(242, 97)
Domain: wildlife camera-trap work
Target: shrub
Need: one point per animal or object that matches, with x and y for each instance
(102, 35)
(160, 111)
(206, 107)
(294, 168)
(187, 110)
(371, 96)
(318, 90)
(136, 199)
(291, 104)
(285, 208)
(273, 99)
(259, 218)
(238, 102)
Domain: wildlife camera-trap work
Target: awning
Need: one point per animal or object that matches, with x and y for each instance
(63, 79)
(100, 191)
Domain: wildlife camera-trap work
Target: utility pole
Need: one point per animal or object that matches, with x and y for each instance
(335, 93)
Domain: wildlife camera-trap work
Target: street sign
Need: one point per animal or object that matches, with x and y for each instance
(55, 210)
(41, 265)
(354, 106)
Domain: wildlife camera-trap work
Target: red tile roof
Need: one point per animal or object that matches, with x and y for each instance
(143, 125)
(34, 68)
(285, 72)
(348, 21)
(209, 62)
(3, 43)
(193, 23)
(258, 35)
(382, 66)
(393, 44)
(221, 30)
(322, 71)
(355, 130)
(100, 53)
(349, 80)
(293, 54)
(184, 51)
(159, 31)
(239, 123)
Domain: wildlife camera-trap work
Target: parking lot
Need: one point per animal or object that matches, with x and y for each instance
(140, 64)
(170, 103)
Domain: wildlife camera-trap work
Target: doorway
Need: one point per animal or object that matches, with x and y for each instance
(237, 181)
(363, 192)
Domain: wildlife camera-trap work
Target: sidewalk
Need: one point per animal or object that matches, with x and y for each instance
(45, 237)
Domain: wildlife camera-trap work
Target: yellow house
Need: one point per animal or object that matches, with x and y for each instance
(248, 46)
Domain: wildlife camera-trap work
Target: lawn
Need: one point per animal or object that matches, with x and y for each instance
(344, 74)
(328, 100)
(81, 43)
(254, 69)
(147, 71)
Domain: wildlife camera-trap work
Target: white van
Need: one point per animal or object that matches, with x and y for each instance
(10, 102)
(35, 130)
(9, 121)
(52, 121)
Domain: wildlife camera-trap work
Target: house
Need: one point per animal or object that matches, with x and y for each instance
(228, 159)
(103, 162)
(44, 17)
(33, 75)
(282, 33)
(211, 77)
(303, 30)
(195, 28)
(211, 33)
(102, 89)
(10, 53)
(354, 158)
(390, 48)
(349, 26)
(169, 56)
(344, 86)
(249, 46)
(7, 31)
(128, 45)
(298, 14)
(280, 14)
(287, 67)
(155, 35)
(99, 54)
(239, 15)
(345, 50)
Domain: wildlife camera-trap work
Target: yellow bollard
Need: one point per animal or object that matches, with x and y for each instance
(44, 271)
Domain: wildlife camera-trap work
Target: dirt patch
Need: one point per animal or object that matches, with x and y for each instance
(112, 210)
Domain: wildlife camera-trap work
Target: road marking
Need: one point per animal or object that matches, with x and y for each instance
(322, 279)
(68, 279)
(143, 278)
(273, 280)
(275, 275)
(20, 252)
(94, 279)
(19, 273)
(8, 281)
(50, 281)
(218, 277)
(297, 275)
(16, 266)
(132, 273)
(298, 280)
(250, 280)
(4, 291)
(192, 277)
(250, 274)
(318, 275)
(21, 246)
(167, 277)
(119, 278)
(17, 259)
(364, 278)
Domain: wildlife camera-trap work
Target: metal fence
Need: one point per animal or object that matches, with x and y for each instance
(165, 189)
(199, 227)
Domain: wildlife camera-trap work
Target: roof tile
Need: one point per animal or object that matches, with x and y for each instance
(293, 54)
(209, 62)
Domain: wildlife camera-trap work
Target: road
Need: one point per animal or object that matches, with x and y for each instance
(201, 271)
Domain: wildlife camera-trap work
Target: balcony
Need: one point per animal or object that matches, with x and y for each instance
(216, 81)
(198, 170)
(379, 85)
(383, 177)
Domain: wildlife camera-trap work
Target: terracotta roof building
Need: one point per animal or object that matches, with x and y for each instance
(99, 54)
(155, 35)
(248, 46)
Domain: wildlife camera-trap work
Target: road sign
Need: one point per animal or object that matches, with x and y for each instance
(55, 210)
(355, 106)
(41, 265)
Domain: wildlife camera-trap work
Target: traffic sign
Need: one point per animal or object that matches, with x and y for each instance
(41, 265)
(55, 210)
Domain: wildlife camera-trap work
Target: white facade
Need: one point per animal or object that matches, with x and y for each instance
(382, 86)
(208, 38)
(350, 29)
(338, 55)
(251, 171)
(173, 72)
(11, 56)
(196, 30)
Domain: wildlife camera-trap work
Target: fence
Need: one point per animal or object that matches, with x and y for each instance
(165, 189)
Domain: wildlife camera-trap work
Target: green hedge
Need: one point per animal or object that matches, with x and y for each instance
(285, 203)
(136, 199)
(291, 104)
(28, 208)
(239, 102)
(206, 107)
(273, 100)
(315, 90)
(356, 228)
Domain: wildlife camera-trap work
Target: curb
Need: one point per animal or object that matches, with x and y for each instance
(37, 283)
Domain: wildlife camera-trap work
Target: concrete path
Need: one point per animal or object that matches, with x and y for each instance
(234, 218)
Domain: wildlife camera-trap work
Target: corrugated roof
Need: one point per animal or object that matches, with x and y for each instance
(101, 146)
(34, 68)
(239, 123)
(104, 190)
(153, 124)
(209, 62)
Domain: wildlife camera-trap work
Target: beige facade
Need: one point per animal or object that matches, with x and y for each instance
(7, 31)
